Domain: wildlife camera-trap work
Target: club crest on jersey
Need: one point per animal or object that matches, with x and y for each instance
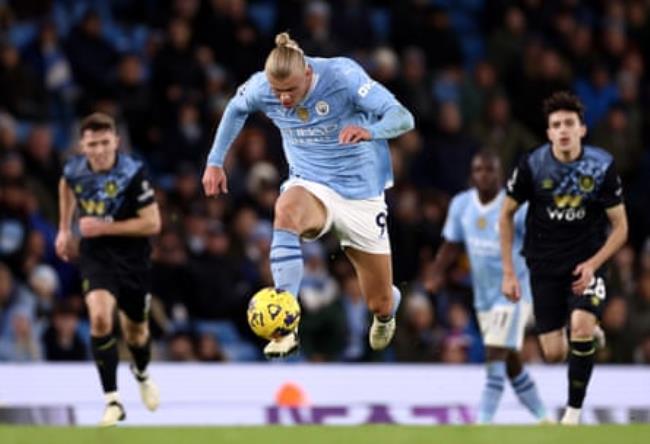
(586, 184)
(110, 188)
(78, 188)
(322, 108)
(547, 184)
(302, 113)
(481, 223)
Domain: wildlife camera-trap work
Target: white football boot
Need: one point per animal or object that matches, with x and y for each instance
(149, 393)
(381, 333)
(113, 413)
(283, 346)
(571, 417)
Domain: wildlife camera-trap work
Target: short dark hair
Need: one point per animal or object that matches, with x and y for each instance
(487, 154)
(564, 101)
(97, 122)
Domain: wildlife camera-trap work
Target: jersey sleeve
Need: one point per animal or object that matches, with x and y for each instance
(69, 170)
(140, 193)
(243, 103)
(520, 220)
(611, 192)
(366, 93)
(453, 229)
(520, 184)
(372, 97)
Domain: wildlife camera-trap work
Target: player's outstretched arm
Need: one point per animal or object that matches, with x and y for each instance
(447, 254)
(233, 120)
(396, 121)
(584, 271)
(510, 286)
(64, 238)
(146, 223)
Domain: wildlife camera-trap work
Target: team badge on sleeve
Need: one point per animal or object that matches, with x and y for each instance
(147, 191)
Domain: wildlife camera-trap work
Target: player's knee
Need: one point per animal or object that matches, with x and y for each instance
(287, 216)
(554, 355)
(136, 339)
(136, 335)
(582, 332)
(101, 324)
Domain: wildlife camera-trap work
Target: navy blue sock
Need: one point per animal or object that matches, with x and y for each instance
(581, 363)
(104, 350)
(141, 355)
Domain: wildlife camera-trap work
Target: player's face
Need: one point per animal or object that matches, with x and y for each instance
(565, 131)
(291, 90)
(100, 148)
(486, 175)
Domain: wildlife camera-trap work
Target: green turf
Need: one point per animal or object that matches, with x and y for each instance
(609, 434)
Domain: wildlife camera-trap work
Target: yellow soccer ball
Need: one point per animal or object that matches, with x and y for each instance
(273, 313)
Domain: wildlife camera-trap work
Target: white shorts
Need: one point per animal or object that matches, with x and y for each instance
(504, 325)
(358, 223)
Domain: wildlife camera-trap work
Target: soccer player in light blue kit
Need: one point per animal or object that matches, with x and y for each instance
(334, 120)
(472, 221)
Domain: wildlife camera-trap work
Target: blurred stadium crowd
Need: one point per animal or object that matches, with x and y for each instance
(473, 72)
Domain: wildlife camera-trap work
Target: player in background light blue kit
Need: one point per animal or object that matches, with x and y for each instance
(334, 121)
(472, 221)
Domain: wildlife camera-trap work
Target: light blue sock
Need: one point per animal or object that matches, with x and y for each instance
(397, 298)
(492, 391)
(286, 261)
(526, 391)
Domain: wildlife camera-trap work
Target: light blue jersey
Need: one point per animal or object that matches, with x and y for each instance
(477, 226)
(341, 94)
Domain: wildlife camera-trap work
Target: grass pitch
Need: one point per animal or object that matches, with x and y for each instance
(604, 434)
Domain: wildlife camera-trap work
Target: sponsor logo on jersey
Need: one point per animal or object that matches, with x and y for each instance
(366, 87)
(567, 208)
(322, 108)
(302, 113)
(567, 200)
(93, 207)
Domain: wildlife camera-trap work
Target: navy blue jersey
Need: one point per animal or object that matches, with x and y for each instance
(566, 221)
(117, 194)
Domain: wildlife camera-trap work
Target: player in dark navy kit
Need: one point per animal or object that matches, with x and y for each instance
(117, 213)
(574, 193)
